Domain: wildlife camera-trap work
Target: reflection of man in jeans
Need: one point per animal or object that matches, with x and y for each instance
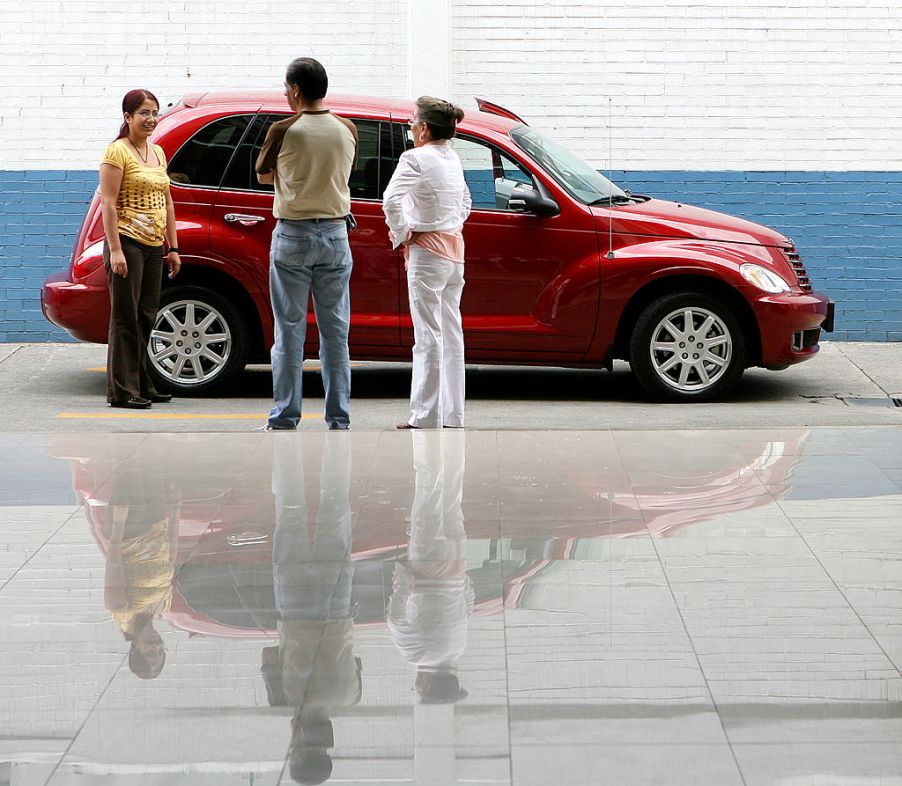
(312, 574)
(432, 597)
(309, 157)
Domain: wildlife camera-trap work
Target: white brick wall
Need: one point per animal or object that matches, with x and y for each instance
(695, 84)
(64, 66)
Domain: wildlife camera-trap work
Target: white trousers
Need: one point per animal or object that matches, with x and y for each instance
(437, 387)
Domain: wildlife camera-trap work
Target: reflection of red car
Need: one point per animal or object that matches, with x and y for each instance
(563, 267)
(224, 574)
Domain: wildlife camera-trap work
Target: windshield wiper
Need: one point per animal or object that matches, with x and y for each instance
(613, 199)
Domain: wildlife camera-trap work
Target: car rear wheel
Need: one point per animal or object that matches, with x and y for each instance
(198, 343)
(687, 347)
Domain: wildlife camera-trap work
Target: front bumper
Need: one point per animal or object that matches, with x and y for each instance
(82, 310)
(791, 325)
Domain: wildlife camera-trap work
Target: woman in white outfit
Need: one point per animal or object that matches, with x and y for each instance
(425, 204)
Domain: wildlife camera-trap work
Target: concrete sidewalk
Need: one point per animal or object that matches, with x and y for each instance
(60, 387)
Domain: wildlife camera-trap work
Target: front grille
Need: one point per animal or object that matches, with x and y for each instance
(795, 262)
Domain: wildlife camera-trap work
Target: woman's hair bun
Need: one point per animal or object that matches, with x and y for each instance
(441, 116)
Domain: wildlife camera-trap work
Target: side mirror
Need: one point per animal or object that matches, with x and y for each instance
(525, 199)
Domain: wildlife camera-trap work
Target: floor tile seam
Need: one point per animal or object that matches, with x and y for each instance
(285, 764)
(37, 551)
(88, 717)
(11, 354)
(701, 669)
(610, 496)
(641, 745)
(873, 381)
(893, 665)
(507, 684)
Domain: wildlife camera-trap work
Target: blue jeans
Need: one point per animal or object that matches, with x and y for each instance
(310, 256)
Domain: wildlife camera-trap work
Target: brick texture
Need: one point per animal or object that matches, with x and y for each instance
(694, 84)
(764, 109)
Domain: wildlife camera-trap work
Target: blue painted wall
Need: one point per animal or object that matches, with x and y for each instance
(40, 214)
(846, 225)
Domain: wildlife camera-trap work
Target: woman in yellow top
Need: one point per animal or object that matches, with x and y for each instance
(138, 219)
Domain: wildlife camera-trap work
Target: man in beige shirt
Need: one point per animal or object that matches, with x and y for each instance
(308, 158)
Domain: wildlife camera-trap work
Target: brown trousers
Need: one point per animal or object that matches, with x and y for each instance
(134, 301)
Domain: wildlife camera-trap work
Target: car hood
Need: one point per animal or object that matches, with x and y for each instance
(658, 218)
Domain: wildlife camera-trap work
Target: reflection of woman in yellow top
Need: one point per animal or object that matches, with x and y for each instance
(138, 218)
(139, 571)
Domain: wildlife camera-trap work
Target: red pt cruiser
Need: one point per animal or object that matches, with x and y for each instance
(563, 267)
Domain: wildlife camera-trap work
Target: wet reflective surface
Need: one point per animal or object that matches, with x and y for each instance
(448, 608)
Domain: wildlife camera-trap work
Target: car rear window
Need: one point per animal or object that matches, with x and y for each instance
(202, 160)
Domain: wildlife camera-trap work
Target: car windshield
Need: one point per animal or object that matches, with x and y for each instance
(575, 175)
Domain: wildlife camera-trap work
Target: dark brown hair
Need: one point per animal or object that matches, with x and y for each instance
(441, 117)
(131, 103)
(310, 76)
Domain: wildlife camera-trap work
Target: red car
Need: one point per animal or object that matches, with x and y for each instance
(564, 268)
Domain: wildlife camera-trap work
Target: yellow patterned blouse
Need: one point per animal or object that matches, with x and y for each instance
(148, 563)
(141, 207)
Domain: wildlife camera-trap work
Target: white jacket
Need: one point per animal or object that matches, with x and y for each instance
(426, 193)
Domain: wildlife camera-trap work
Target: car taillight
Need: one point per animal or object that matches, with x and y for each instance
(87, 261)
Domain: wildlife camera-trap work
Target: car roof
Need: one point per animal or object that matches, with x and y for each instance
(274, 101)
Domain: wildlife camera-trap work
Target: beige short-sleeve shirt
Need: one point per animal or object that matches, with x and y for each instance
(312, 154)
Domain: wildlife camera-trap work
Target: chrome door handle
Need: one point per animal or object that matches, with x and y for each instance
(246, 539)
(244, 219)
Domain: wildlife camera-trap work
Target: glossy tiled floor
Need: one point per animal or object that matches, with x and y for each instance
(519, 608)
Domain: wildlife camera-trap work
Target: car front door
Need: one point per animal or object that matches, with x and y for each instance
(532, 287)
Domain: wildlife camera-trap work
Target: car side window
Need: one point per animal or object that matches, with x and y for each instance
(202, 160)
(373, 145)
(241, 174)
(374, 160)
(490, 174)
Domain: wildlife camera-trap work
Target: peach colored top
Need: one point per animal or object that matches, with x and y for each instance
(447, 245)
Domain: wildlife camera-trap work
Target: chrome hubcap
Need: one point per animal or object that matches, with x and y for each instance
(190, 342)
(691, 349)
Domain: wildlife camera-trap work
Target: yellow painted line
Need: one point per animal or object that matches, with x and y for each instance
(308, 366)
(140, 415)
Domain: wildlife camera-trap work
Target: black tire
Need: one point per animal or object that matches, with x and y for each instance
(214, 342)
(703, 369)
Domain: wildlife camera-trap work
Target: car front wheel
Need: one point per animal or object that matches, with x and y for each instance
(198, 343)
(687, 346)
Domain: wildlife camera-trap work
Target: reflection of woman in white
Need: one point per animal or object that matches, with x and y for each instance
(426, 203)
(432, 596)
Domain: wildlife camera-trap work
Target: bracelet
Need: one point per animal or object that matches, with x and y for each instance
(173, 249)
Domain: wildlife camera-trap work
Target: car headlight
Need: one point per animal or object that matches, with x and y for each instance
(763, 278)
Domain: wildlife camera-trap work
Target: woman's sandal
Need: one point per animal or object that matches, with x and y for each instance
(405, 426)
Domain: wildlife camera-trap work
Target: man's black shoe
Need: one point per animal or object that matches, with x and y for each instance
(135, 402)
(160, 398)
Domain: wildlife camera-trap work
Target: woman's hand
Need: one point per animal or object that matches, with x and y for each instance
(174, 263)
(412, 239)
(118, 264)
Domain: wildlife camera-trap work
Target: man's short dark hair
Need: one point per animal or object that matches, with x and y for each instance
(310, 76)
